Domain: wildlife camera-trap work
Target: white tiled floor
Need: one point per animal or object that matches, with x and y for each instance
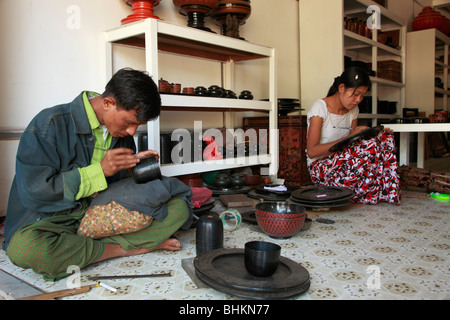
(408, 244)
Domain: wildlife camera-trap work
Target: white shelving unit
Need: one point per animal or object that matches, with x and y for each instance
(425, 48)
(338, 42)
(157, 35)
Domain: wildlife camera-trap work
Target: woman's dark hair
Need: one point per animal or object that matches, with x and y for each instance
(135, 90)
(352, 77)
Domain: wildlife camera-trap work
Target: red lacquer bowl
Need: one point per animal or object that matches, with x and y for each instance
(280, 220)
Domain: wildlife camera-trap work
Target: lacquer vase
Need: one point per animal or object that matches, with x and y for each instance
(230, 15)
(196, 11)
(142, 9)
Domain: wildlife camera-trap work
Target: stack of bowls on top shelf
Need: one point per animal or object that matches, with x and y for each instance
(430, 18)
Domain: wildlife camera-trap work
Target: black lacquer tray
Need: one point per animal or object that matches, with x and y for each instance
(269, 196)
(216, 191)
(368, 133)
(330, 205)
(322, 194)
(205, 207)
(224, 270)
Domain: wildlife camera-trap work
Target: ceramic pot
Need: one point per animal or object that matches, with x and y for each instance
(215, 91)
(209, 234)
(230, 15)
(175, 88)
(246, 95)
(261, 258)
(196, 11)
(188, 90)
(201, 91)
(428, 18)
(230, 94)
(164, 86)
(222, 181)
(142, 9)
(237, 180)
(208, 177)
(147, 170)
(252, 180)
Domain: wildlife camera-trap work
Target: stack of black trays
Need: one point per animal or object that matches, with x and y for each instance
(322, 197)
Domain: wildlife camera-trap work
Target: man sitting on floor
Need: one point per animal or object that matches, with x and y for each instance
(72, 168)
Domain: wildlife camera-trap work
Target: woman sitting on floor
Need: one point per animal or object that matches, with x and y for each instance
(367, 167)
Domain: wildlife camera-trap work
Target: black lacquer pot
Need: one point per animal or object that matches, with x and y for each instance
(146, 170)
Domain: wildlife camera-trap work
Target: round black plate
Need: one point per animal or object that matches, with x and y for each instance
(269, 197)
(232, 190)
(225, 268)
(247, 294)
(203, 209)
(368, 133)
(323, 202)
(321, 194)
(330, 205)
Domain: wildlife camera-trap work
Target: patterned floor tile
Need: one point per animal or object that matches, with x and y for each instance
(370, 252)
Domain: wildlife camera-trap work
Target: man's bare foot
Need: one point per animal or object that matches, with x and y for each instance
(115, 250)
(170, 244)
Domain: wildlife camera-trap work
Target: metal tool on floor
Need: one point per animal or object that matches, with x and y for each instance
(153, 275)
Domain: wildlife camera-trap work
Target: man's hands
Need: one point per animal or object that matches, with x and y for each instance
(123, 158)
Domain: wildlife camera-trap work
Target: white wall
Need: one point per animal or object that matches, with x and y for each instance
(48, 57)
(44, 62)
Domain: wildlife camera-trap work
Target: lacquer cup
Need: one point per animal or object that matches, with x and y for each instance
(209, 233)
(146, 170)
(262, 258)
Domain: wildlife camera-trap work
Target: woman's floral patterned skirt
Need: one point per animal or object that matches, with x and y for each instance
(368, 167)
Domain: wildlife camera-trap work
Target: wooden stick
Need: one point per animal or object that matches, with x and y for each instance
(61, 293)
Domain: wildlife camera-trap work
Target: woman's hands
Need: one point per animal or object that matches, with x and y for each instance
(358, 129)
(313, 146)
(362, 128)
(123, 158)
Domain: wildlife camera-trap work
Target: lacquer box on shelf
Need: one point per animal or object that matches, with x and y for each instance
(292, 145)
